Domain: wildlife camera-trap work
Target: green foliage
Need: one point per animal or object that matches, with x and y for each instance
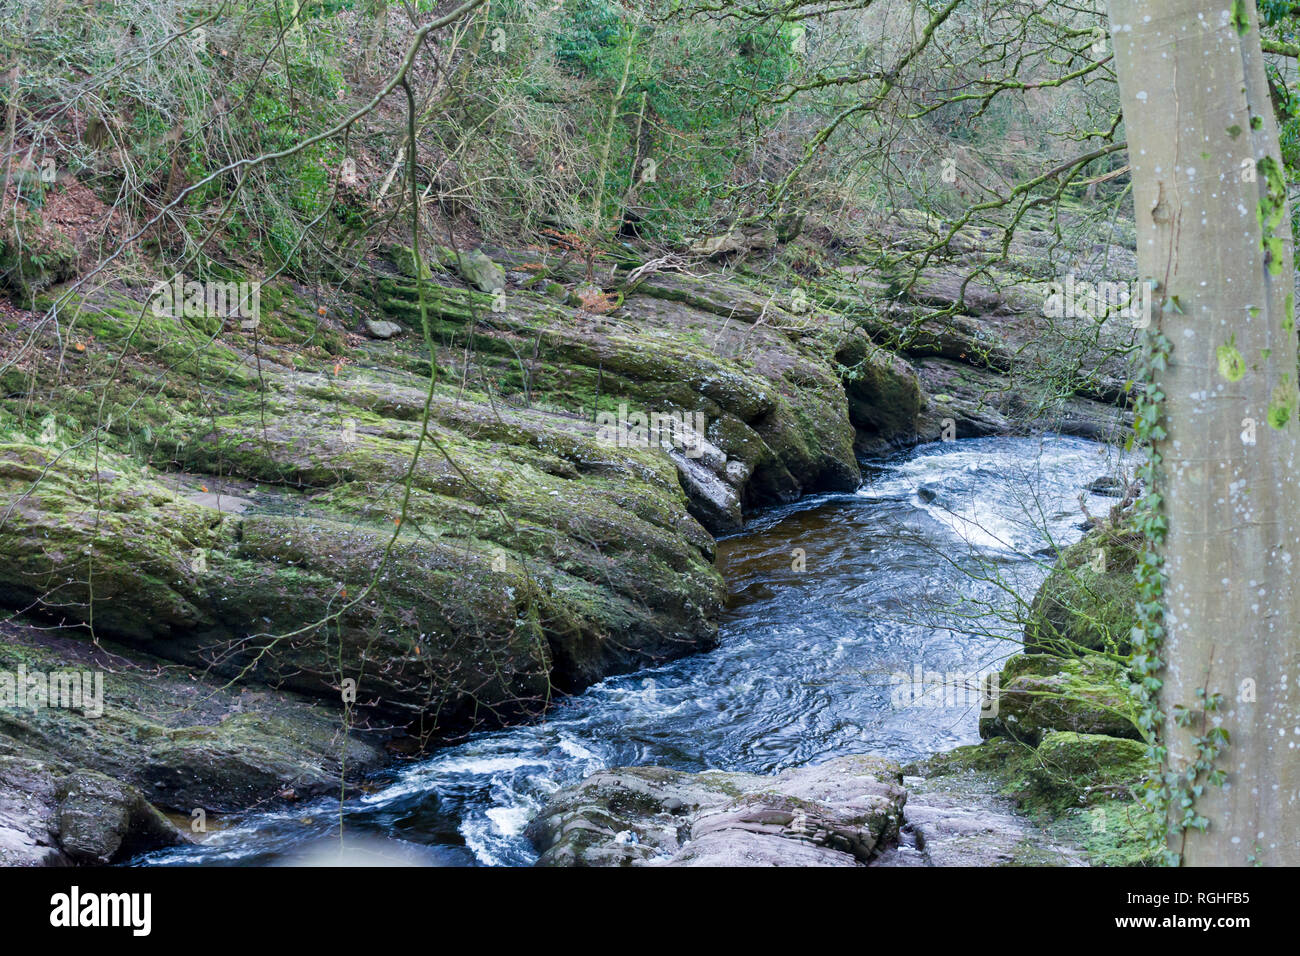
(1148, 633)
(1273, 12)
(155, 127)
(588, 40)
(594, 106)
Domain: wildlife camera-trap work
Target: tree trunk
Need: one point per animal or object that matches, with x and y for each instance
(1214, 233)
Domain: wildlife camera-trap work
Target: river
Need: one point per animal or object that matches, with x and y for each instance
(836, 602)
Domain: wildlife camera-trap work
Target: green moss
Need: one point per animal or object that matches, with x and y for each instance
(1240, 17)
(1279, 413)
(1038, 693)
(1065, 770)
(1070, 770)
(1086, 603)
(1079, 787)
(1231, 364)
(1111, 833)
(186, 739)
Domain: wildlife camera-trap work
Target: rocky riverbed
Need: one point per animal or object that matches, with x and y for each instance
(955, 810)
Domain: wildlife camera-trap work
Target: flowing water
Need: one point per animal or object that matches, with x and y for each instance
(839, 603)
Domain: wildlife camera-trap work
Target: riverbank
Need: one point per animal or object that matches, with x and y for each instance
(237, 507)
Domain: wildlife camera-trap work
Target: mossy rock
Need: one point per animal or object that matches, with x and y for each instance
(1065, 770)
(1112, 833)
(1085, 604)
(1078, 789)
(1070, 769)
(1038, 693)
(884, 394)
(54, 817)
(108, 536)
(474, 266)
(184, 737)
